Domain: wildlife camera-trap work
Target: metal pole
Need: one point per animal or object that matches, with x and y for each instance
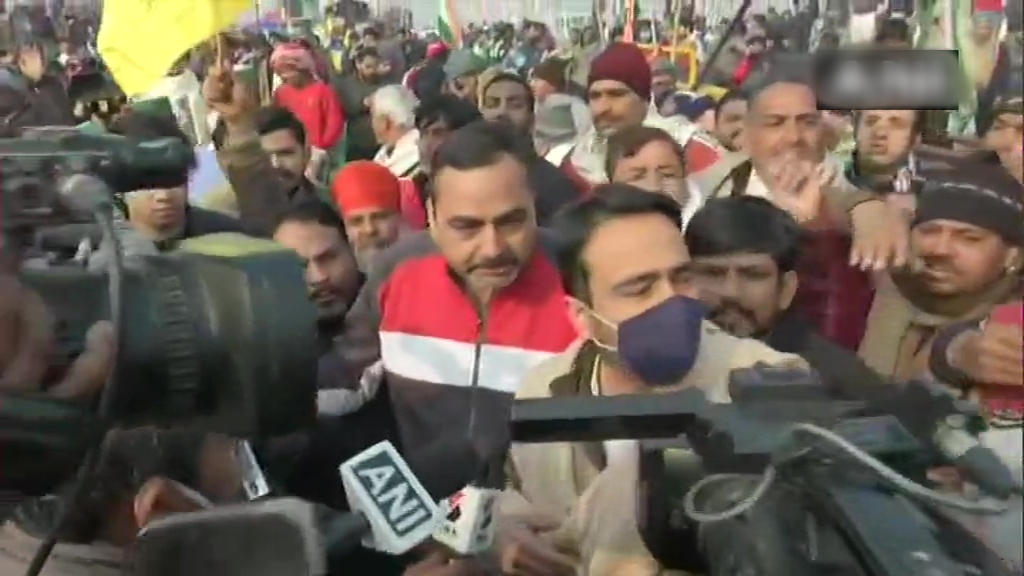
(723, 41)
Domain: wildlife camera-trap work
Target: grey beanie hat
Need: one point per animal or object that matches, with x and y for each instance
(554, 121)
(463, 62)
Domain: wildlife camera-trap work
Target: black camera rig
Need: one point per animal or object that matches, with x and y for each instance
(785, 481)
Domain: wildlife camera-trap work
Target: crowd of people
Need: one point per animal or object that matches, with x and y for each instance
(477, 229)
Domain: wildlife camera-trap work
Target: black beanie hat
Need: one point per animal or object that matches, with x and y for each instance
(981, 195)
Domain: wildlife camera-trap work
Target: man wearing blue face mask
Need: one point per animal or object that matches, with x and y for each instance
(631, 292)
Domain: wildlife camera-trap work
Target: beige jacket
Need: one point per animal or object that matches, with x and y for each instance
(570, 481)
(718, 181)
(17, 549)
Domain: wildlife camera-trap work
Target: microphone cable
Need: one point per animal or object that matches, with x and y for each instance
(902, 484)
(103, 210)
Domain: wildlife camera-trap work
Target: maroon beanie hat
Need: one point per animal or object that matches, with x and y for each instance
(623, 63)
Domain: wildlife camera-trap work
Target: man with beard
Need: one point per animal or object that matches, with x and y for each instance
(849, 230)
(967, 239)
(507, 97)
(368, 196)
(311, 100)
(619, 94)
(317, 235)
(744, 252)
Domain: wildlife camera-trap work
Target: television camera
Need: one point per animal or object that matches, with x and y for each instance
(787, 482)
(226, 344)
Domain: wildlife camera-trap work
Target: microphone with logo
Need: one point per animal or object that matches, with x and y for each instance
(394, 508)
(467, 529)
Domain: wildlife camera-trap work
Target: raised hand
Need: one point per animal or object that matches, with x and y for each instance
(227, 95)
(798, 185)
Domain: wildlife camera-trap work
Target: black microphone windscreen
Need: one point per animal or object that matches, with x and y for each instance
(446, 466)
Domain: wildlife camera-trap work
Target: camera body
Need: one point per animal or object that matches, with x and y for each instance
(785, 481)
(824, 513)
(220, 343)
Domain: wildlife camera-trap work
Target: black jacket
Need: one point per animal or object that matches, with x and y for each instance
(552, 187)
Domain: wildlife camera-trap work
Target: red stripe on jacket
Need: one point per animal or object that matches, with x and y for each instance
(423, 298)
(415, 318)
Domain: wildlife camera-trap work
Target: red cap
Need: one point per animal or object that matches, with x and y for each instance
(437, 50)
(365, 185)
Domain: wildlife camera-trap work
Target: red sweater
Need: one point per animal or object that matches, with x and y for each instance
(1005, 401)
(743, 71)
(318, 108)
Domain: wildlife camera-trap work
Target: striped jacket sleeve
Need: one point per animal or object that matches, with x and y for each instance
(361, 336)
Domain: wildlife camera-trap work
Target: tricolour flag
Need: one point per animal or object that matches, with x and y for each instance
(448, 27)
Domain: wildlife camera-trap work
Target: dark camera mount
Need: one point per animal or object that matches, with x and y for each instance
(741, 488)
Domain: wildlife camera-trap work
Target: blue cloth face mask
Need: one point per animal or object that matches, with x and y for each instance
(660, 345)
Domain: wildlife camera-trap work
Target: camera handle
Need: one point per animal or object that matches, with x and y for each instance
(894, 536)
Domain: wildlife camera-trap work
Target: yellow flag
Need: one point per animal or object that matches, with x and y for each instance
(140, 40)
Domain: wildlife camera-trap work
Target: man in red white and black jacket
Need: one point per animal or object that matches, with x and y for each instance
(452, 318)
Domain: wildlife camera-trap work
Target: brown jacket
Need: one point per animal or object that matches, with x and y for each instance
(17, 549)
(257, 195)
(571, 481)
(904, 321)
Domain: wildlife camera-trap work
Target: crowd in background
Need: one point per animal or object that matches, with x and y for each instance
(514, 216)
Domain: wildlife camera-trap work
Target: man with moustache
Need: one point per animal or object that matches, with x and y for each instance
(967, 239)
(619, 94)
(745, 251)
(456, 315)
(849, 230)
(315, 232)
(369, 199)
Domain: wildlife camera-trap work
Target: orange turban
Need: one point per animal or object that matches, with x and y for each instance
(365, 185)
